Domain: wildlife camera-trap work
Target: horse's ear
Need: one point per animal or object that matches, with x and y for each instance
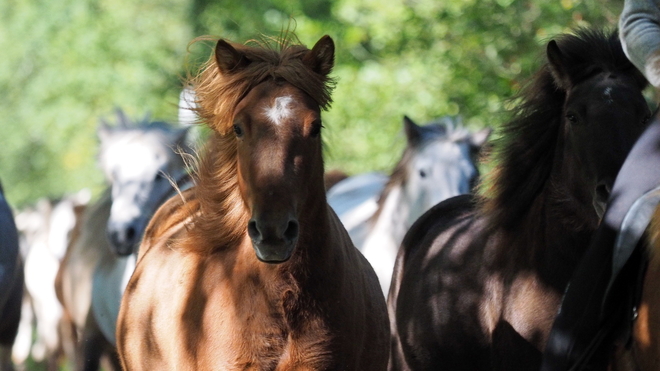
(479, 138)
(479, 142)
(413, 131)
(321, 58)
(228, 58)
(122, 120)
(557, 64)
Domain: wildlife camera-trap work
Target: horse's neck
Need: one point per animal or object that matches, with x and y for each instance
(388, 229)
(550, 234)
(392, 220)
(322, 238)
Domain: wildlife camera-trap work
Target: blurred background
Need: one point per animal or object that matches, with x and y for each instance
(67, 63)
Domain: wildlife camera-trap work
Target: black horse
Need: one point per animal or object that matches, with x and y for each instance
(11, 283)
(479, 279)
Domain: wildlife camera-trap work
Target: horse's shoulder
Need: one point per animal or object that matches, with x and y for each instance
(170, 216)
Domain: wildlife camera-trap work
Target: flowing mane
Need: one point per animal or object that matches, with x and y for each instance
(525, 152)
(218, 95)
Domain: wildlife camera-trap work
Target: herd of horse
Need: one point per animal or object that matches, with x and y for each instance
(243, 255)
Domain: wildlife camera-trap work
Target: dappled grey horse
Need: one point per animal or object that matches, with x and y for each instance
(377, 210)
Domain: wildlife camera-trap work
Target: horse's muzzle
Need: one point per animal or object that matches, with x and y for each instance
(273, 242)
(123, 241)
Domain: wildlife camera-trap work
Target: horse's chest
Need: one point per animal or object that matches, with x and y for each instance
(255, 333)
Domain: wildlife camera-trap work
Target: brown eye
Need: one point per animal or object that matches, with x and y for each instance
(238, 131)
(316, 129)
(572, 118)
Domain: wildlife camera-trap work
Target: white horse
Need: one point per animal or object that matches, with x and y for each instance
(377, 210)
(141, 161)
(45, 232)
(139, 187)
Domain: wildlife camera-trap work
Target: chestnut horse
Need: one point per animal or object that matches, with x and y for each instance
(251, 269)
(479, 279)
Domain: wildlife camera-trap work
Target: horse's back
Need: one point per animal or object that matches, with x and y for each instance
(348, 195)
(437, 291)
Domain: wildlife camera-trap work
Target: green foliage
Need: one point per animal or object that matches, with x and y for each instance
(66, 63)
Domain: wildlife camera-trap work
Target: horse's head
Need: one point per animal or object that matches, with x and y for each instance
(603, 114)
(277, 126)
(437, 163)
(137, 160)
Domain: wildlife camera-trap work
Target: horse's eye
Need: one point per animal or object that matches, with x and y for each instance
(316, 129)
(422, 173)
(572, 118)
(159, 176)
(238, 131)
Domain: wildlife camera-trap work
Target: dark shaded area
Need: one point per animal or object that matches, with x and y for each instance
(584, 330)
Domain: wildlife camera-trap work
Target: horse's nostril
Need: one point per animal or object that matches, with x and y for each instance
(253, 231)
(291, 232)
(130, 234)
